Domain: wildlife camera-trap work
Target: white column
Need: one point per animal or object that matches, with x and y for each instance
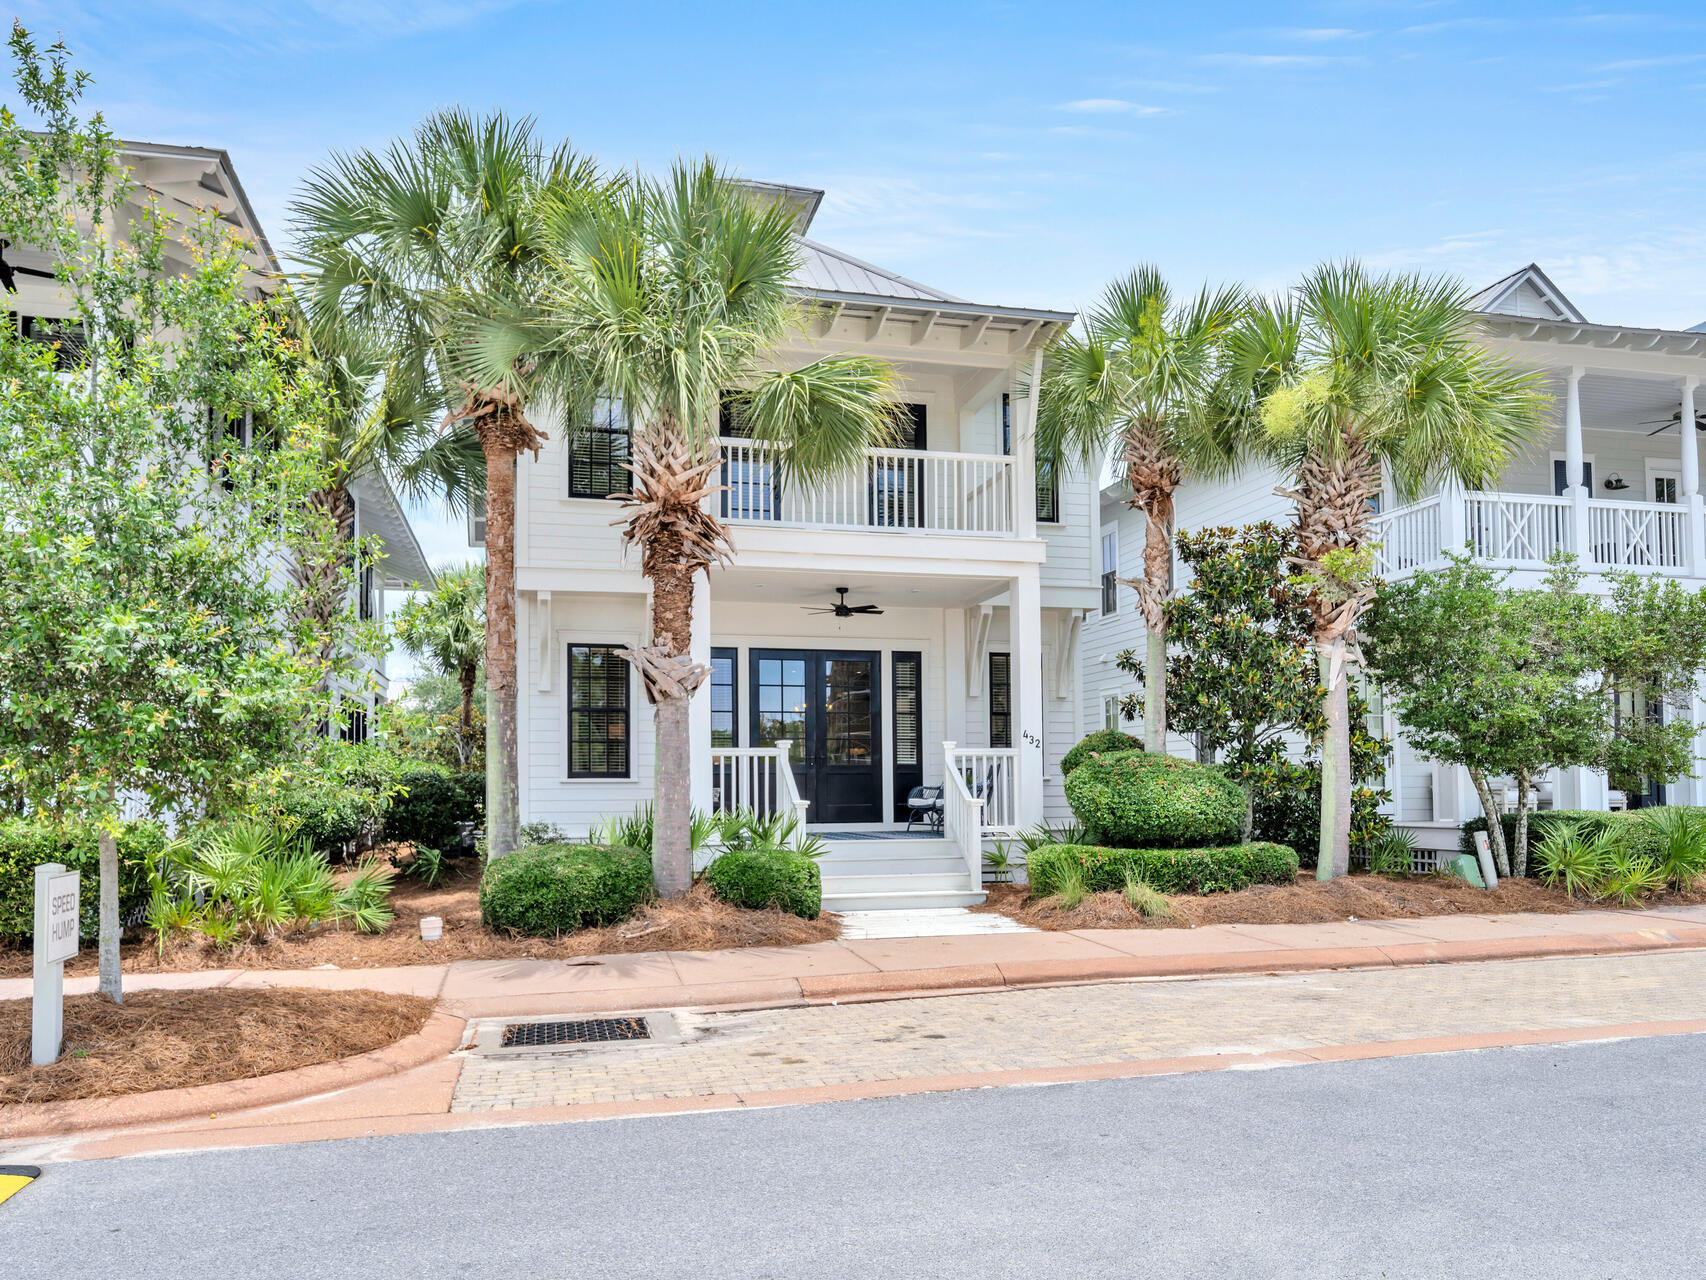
(1453, 516)
(1573, 478)
(1695, 563)
(1025, 457)
(699, 709)
(953, 678)
(1026, 625)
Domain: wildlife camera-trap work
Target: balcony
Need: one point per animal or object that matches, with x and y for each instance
(956, 494)
(1524, 530)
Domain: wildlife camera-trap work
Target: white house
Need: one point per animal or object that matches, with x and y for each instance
(1616, 484)
(183, 180)
(911, 624)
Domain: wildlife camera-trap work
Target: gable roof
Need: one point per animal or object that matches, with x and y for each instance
(1528, 293)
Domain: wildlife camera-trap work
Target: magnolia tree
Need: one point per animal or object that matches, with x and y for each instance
(446, 628)
(151, 650)
(1515, 683)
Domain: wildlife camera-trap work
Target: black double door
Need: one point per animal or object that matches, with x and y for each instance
(828, 704)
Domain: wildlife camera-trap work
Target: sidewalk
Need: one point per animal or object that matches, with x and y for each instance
(1402, 1002)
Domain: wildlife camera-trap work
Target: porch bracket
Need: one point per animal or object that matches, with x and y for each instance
(978, 651)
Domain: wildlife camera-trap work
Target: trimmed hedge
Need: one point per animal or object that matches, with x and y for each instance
(553, 889)
(1217, 870)
(25, 845)
(1141, 800)
(1635, 832)
(1101, 742)
(760, 878)
(432, 807)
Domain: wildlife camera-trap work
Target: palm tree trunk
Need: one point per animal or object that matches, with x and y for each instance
(465, 731)
(1334, 858)
(1157, 504)
(502, 764)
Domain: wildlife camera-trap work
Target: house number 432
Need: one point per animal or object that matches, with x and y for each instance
(1031, 738)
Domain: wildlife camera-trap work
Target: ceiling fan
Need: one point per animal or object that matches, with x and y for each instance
(1665, 424)
(842, 609)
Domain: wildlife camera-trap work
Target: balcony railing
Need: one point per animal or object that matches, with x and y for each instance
(1524, 530)
(951, 493)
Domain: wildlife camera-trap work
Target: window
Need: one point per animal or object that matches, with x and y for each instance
(596, 454)
(367, 598)
(1110, 571)
(908, 684)
(725, 698)
(779, 685)
(1048, 489)
(354, 727)
(65, 336)
(1111, 712)
(477, 520)
(598, 712)
(1006, 424)
(1000, 700)
(897, 484)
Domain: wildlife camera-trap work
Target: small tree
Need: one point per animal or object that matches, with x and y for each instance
(149, 653)
(1502, 682)
(447, 628)
(1649, 644)
(1242, 676)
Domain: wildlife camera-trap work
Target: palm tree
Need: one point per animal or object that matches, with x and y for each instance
(409, 247)
(670, 294)
(448, 629)
(1146, 378)
(1353, 380)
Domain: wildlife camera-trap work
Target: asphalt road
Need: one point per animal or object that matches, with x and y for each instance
(1580, 1161)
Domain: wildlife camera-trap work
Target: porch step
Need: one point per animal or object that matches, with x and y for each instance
(900, 900)
(879, 862)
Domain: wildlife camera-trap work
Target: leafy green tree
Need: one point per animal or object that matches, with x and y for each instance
(1649, 644)
(1352, 381)
(416, 249)
(1500, 681)
(1242, 677)
(1146, 379)
(670, 295)
(149, 657)
(447, 628)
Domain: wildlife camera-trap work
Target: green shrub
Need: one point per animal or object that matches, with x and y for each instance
(26, 843)
(1216, 870)
(1679, 839)
(760, 878)
(1634, 829)
(1287, 810)
(1139, 800)
(433, 807)
(1102, 742)
(552, 889)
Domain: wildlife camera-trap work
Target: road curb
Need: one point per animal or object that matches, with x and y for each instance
(441, 1034)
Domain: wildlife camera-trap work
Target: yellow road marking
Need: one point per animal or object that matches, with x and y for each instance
(14, 1178)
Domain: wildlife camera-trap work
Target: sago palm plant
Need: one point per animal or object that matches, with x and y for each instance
(670, 295)
(1146, 380)
(1352, 381)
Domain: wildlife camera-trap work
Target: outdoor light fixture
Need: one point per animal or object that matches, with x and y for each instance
(1615, 483)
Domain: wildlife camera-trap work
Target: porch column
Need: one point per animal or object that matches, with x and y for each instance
(1695, 563)
(1025, 457)
(1026, 623)
(1575, 481)
(699, 709)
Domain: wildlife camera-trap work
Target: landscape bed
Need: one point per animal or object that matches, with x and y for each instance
(698, 922)
(175, 1039)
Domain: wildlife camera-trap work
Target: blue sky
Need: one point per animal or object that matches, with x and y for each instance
(1017, 153)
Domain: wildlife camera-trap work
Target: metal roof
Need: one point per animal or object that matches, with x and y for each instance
(1492, 298)
(1678, 342)
(830, 270)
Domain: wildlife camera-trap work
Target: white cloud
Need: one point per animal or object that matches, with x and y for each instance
(1111, 106)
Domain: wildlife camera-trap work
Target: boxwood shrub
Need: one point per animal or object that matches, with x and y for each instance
(433, 806)
(759, 878)
(1102, 742)
(1144, 800)
(552, 889)
(26, 844)
(1222, 869)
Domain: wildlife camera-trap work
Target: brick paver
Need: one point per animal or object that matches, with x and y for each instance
(779, 1049)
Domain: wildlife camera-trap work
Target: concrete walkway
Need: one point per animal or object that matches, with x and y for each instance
(818, 1049)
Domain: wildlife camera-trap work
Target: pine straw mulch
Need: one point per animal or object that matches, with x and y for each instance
(173, 1039)
(698, 922)
(1308, 901)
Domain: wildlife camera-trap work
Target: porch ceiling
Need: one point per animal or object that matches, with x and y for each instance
(1636, 405)
(817, 589)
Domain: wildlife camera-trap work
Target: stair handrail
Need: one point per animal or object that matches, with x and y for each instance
(790, 791)
(962, 817)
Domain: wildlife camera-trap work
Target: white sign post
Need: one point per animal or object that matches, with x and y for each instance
(57, 924)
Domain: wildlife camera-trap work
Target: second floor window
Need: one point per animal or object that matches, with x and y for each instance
(1110, 571)
(367, 598)
(1048, 489)
(596, 454)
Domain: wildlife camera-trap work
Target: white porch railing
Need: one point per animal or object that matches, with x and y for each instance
(971, 493)
(1524, 530)
(962, 817)
(1638, 535)
(757, 778)
(992, 776)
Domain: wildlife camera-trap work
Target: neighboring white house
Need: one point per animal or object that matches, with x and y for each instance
(183, 180)
(978, 561)
(1616, 484)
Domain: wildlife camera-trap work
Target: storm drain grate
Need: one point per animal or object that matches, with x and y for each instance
(534, 1035)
